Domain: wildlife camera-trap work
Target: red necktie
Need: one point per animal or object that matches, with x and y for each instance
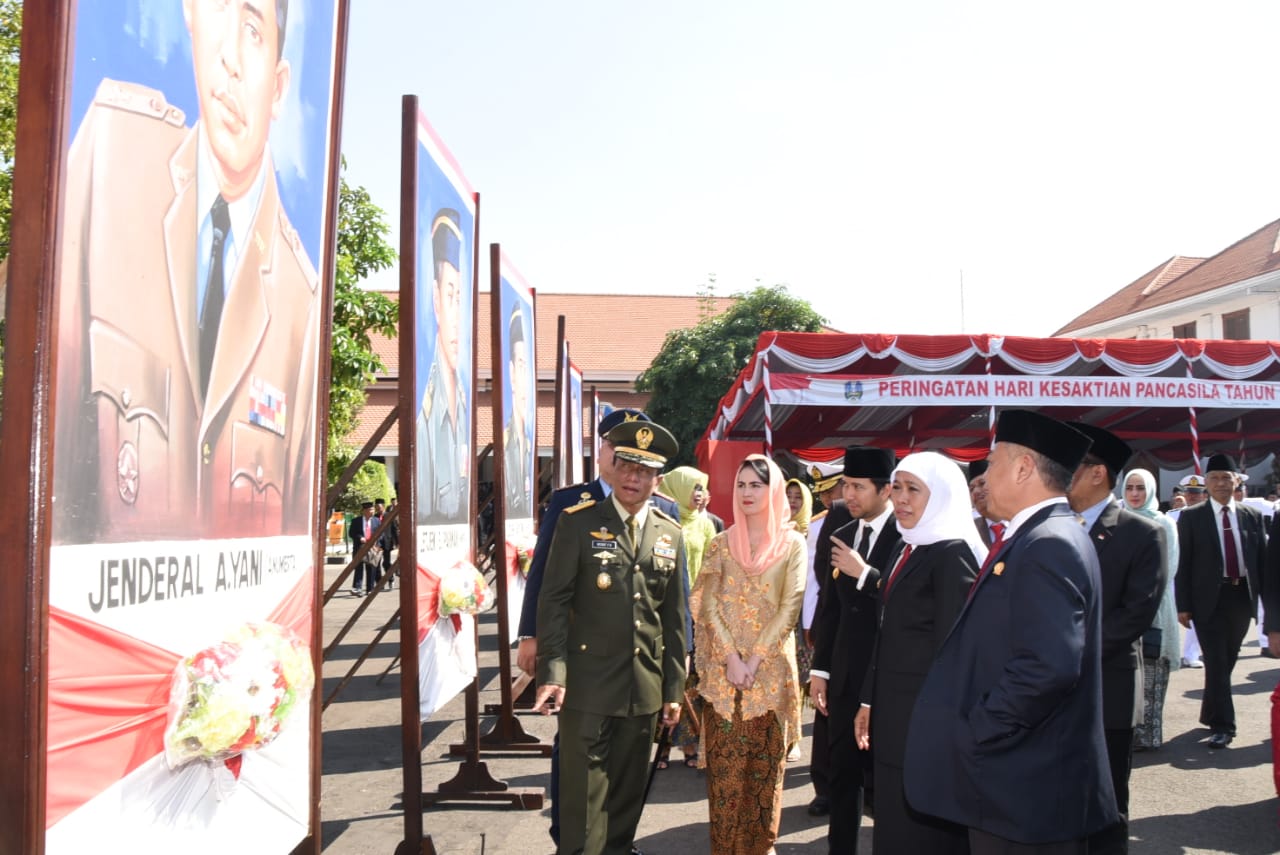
(906, 553)
(1229, 546)
(998, 528)
(368, 529)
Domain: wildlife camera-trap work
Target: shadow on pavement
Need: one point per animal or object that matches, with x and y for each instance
(1249, 829)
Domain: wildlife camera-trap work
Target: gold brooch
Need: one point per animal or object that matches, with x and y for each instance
(998, 569)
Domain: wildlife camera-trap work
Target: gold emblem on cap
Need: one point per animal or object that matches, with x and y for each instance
(998, 569)
(604, 581)
(631, 417)
(644, 438)
(816, 472)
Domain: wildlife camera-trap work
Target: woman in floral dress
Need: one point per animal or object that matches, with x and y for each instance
(746, 601)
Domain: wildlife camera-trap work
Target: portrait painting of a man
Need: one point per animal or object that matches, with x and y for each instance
(189, 309)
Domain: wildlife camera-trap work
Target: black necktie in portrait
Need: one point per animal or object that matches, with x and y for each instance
(215, 286)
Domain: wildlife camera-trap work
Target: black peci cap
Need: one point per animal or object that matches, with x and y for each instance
(1056, 440)
(864, 461)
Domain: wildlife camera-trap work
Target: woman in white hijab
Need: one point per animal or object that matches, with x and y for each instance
(1159, 649)
(919, 602)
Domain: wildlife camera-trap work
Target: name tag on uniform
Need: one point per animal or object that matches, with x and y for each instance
(664, 548)
(604, 544)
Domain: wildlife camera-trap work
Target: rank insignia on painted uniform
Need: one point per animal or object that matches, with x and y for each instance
(584, 504)
(267, 406)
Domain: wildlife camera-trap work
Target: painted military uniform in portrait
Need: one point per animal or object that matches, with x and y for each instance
(515, 447)
(163, 442)
(442, 451)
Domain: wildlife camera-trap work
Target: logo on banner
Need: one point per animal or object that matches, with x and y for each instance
(853, 390)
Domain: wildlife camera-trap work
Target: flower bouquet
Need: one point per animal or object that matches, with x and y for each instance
(463, 590)
(524, 553)
(236, 695)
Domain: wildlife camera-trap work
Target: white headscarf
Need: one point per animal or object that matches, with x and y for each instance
(949, 513)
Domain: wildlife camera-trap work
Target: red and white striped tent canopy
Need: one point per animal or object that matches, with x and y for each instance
(812, 394)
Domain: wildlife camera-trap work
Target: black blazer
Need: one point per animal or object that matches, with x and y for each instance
(835, 517)
(1271, 583)
(1131, 552)
(1200, 567)
(984, 531)
(915, 618)
(846, 622)
(355, 531)
(1006, 735)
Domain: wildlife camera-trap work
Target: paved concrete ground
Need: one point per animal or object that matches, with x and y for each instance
(1186, 797)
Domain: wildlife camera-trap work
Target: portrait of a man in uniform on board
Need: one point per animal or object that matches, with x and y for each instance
(189, 304)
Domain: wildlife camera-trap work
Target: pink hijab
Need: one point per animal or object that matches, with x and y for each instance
(777, 524)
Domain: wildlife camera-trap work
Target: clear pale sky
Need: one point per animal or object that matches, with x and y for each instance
(867, 155)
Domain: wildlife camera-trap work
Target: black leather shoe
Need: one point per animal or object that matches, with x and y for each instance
(819, 807)
(1219, 740)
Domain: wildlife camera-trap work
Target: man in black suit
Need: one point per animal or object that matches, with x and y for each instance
(989, 530)
(360, 530)
(1006, 735)
(827, 489)
(1131, 552)
(1221, 556)
(845, 630)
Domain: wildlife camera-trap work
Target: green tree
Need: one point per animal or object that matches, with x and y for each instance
(10, 42)
(370, 482)
(357, 313)
(696, 366)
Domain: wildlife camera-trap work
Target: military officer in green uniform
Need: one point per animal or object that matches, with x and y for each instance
(611, 643)
(189, 312)
(443, 428)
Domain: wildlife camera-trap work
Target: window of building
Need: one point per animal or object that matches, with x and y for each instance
(1235, 325)
(1187, 330)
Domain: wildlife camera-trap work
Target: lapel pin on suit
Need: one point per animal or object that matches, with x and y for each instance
(998, 570)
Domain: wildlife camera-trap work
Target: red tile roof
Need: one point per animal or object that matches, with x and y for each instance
(1181, 277)
(1134, 296)
(594, 326)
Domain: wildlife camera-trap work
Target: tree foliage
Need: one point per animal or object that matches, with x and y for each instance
(357, 314)
(369, 483)
(696, 366)
(10, 42)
